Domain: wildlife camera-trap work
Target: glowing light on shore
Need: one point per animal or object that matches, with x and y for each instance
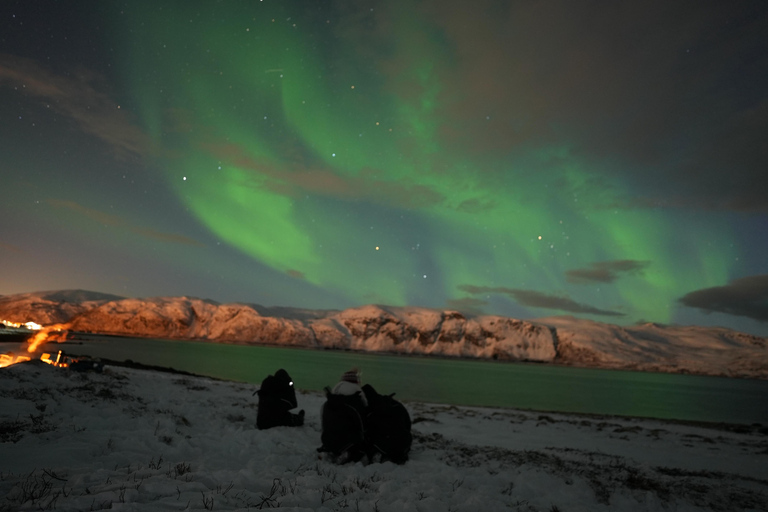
(42, 335)
(32, 326)
(59, 360)
(9, 359)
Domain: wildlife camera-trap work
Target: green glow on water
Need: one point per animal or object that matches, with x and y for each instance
(464, 382)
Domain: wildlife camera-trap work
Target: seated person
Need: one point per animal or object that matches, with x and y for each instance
(387, 427)
(349, 385)
(342, 418)
(359, 422)
(277, 397)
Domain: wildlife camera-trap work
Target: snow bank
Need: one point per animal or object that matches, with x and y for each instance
(129, 439)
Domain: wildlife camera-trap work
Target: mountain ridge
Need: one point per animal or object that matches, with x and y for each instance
(564, 340)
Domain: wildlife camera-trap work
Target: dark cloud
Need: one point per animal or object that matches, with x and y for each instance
(475, 206)
(298, 274)
(747, 297)
(730, 173)
(668, 97)
(301, 178)
(80, 97)
(10, 248)
(468, 305)
(535, 299)
(743, 202)
(605, 271)
(108, 219)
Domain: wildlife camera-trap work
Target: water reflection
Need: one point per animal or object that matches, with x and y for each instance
(452, 381)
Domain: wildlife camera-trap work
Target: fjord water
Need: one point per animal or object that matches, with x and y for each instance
(460, 381)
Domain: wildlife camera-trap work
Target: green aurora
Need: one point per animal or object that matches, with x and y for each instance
(505, 159)
(283, 139)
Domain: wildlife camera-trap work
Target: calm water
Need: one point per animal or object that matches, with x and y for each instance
(462, 382)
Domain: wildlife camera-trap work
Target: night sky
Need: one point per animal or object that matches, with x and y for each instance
(607, 160)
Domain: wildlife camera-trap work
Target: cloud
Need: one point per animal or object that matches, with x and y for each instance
(475, 205)
(115, 221)
(80, 97)
(625, 100)
(605, 271)
(747, 297)
(298, 274)
(468, 305)
(536, 299)
(10, 248)
(299, 178)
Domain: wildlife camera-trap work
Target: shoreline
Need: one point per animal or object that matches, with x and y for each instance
(743, 428)
(614, 367)
(541, 388)
(135, 438)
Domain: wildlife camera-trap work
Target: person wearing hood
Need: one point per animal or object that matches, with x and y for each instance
(342, 419)
(349, 385)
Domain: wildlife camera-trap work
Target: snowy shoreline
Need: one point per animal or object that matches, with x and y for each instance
(134, 439)
(565, 340)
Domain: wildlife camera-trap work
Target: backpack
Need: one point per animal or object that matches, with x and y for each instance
(277, 397)
(387, 427)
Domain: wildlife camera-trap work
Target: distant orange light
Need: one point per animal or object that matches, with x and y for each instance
(42, 335)
(9, 359)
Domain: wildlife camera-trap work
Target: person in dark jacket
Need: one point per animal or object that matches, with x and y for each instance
(349, 385)
(387, 427)
(277, 397)
(358, 422)
(342, 416)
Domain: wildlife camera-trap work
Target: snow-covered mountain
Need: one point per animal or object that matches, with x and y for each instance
(54, 307)
(409, 330)
(662, 348)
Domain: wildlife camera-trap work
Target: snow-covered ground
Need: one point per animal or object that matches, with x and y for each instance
(133, 439)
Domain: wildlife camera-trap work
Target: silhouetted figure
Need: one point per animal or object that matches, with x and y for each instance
(342, 419)
(277, 397)
(387, 427)
(359, 422)
(349, 385)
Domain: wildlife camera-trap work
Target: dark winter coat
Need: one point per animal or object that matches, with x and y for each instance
(277, 397)
(387, 426)
(342, 422)
(352, 430)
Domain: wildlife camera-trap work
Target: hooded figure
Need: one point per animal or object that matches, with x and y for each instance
(349, 385)
(342, 418)
(277, 397)
(359, 422)
(387, 427)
